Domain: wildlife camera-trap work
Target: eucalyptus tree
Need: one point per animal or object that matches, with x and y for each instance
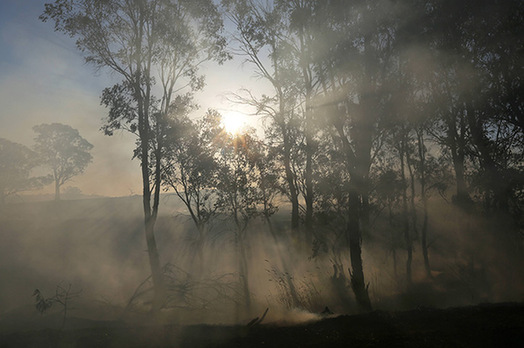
(305, 24)
(190, 169)
(262, 37)
(155, 47)
(357, 45)
(480, 44)
(239, 195)
(61, 148)
(16, 164)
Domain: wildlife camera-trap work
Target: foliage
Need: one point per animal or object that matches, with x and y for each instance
(16, 164)
(61, 148)
(62, 297)
(156, 48)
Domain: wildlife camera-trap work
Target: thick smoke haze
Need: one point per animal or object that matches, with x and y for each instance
(380, 165)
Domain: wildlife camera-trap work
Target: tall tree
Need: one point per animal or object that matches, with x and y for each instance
(263, 38)
(189, 168)
(61, 148)
(355, 61)
(155, 47)
(479, 46)
(239, 195)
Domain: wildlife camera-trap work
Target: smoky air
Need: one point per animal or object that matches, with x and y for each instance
(229, 168)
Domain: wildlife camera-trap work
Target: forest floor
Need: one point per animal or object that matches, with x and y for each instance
(485, 325)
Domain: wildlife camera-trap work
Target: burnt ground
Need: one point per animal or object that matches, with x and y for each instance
(487, 325)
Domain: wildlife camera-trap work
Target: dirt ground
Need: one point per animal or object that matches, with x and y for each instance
(487, 325)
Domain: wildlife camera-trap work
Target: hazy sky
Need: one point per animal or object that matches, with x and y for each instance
(44, 79)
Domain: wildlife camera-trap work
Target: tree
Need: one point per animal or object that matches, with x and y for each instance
(238, 191)
(156, 47)
(16, 163)
(189, 168)
(61, 148)
(355, 63)
(262, 30)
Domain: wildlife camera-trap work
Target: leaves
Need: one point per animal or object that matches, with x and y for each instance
(61, 148)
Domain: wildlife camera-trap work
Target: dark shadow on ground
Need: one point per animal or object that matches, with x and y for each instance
(487, 325)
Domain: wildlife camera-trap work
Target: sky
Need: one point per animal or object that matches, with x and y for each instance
(44, 79)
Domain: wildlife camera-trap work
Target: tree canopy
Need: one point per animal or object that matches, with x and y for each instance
(16, 164)
(61, 148)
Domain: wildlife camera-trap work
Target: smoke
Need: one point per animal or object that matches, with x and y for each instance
(98, 247)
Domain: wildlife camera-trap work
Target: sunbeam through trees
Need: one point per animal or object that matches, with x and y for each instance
(377, 162)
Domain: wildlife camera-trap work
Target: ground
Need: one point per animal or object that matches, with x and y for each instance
(486, 325)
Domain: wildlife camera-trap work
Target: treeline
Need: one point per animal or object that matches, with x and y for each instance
(374, 106)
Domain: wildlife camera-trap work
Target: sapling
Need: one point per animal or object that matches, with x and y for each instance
(62, 296)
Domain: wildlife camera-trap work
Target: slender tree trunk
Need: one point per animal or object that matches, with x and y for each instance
(405, 217)
(57, 190)
(393, 239)
(353, 231)
(150, 218)
(57, 185)
(494, 182)
(307, 76)
(457, 144)
(154, 262)
(422, 170)
(309, 170)
(309, 192)
(355, 252)
(414, 221)
(293, 196)
(458, 165)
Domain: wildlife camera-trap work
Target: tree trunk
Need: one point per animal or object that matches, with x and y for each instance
(57, 190)
(309, 192)
(457, 144)
(57, 184)
(150, 219)
(309, 167)
(405, 217)
(493, 181)
(414, 221)
(154, 262)
(293, 196)
(355, 252)
(422, 170)
(393, 239)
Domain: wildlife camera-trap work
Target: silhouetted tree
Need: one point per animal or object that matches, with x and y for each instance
(61, 148)
(189, 168)
(263, 38)
(239, 195)
(156, 48)
(16, 163)
(478, 47)
(356, 61)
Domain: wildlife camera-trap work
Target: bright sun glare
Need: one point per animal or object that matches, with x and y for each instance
(233, 121)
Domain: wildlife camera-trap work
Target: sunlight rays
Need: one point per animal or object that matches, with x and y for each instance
(234, 122)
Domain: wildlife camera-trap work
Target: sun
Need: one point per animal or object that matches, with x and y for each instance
(233, 121)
